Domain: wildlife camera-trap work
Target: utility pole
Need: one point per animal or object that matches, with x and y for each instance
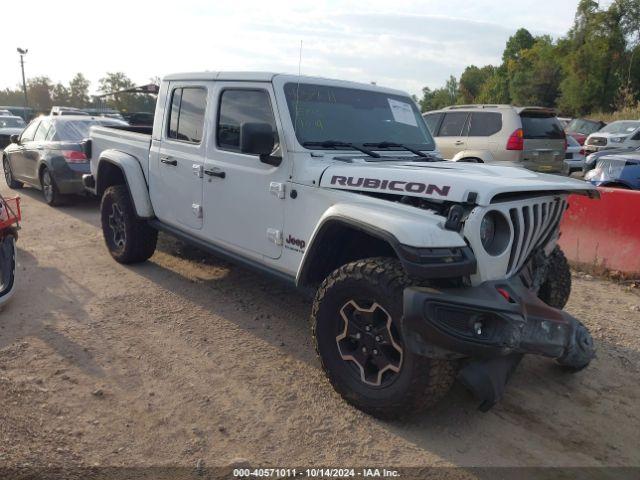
(23, 52)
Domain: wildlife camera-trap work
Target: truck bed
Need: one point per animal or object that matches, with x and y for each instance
(131, 140)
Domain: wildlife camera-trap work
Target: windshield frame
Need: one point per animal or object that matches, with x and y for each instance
(281, 95)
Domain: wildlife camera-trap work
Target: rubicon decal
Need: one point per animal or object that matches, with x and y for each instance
(391, 185)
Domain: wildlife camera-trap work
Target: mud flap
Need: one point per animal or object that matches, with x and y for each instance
(487, 378)
(7, 267)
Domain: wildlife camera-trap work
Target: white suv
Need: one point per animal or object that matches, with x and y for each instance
(531, 137)
(620, 134)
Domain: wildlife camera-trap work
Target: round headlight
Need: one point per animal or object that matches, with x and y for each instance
(487, 230)
(495, 233)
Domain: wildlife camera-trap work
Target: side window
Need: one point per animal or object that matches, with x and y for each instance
(242, 106)
(186, 121)
(484, 124)
(30, 131)
(432, 120)
(42, 131)
(452, 124)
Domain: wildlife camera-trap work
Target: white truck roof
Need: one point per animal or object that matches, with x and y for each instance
(270, 76)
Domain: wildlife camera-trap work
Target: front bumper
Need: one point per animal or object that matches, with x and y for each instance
(494, 319)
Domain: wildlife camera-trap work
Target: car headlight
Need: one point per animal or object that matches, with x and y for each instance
(618, 139)
(495, 233)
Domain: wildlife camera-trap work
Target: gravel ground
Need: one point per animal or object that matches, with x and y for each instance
(188, 360)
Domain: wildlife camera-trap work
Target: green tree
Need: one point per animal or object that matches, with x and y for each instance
(521, 40)
(79, 91)
(115, 82)
(472, 81)
(39, 90)
(60, 95)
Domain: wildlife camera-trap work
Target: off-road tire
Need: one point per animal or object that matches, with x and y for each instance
(50, 191)
(8, 175)
(139, 240)
(420, 382)
(556, 288)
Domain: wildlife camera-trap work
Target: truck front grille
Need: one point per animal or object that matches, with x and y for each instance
(532, 225)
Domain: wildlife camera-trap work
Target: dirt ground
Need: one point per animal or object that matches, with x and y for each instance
(187, 360)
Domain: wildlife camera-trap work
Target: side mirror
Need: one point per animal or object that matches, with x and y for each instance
(14, 138)
(257, 139)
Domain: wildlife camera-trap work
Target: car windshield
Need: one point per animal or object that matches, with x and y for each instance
(323, 113)
(77, 130)
(621, 127)
(580, 125)
(11, 122)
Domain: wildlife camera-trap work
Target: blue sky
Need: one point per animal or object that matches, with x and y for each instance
(405, 44)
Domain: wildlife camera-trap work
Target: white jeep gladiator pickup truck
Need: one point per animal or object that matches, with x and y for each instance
(424, 270)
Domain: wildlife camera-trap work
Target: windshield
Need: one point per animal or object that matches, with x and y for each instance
(11, 122)
(580, 125)
(621, 127)
(323, 113)
(77, 130)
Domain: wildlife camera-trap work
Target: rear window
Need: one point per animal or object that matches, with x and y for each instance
(537, 126)
(77, 130)
(484, 124)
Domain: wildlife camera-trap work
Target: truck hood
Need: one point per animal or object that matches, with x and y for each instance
(445, 180)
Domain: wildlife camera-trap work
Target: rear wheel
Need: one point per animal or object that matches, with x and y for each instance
(49, 188)
(129, 239)
(356, 328)
(8, 175)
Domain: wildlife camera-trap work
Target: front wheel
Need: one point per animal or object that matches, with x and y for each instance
(8, 175)
(129, 239)
(356, 328)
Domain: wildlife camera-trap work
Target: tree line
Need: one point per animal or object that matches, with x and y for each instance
(42, 94)
(595, 67)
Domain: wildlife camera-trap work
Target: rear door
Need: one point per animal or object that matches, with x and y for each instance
(450, 139)
(179, 164)
(482, 128)
(544, 141)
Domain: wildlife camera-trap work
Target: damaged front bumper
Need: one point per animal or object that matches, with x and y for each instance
(493, 325)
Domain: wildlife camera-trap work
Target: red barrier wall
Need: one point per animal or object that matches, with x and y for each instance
(604, 233)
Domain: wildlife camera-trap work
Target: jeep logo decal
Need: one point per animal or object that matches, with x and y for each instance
(295, 243)
(392, 185)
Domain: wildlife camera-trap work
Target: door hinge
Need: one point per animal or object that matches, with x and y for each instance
(197, 170)
(277, 189)
(197, 210)
(274, 236)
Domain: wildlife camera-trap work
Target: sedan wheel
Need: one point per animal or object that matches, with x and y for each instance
(8, 175)
(49, 188)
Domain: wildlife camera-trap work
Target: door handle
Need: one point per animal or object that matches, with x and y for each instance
(169, 161)
(215, 172)
(459, 142)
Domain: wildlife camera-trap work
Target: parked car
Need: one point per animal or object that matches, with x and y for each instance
(619, 134)
(529, 137)
(5, 113)
(50, 155)
(336, 186)
(57, 111)
(581, 128)
(591, 159)
(27, 113)
(620, 170)
(10, 125)
(574, 157)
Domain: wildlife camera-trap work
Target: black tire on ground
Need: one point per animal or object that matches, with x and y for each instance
(128, 239)
(556, 288)
(370, 291)
(8, 175)
(50, 191)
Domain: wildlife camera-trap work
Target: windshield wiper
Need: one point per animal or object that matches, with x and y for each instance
(338, 144)
(397, 145)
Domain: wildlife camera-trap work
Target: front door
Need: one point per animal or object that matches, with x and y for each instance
(18, 157)
(176, 189)
(244, 197)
